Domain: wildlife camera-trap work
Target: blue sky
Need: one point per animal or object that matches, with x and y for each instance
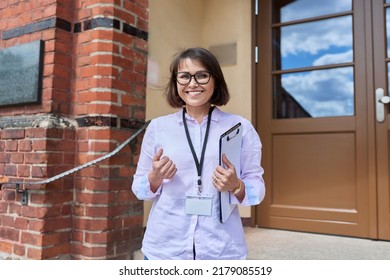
(322, 93)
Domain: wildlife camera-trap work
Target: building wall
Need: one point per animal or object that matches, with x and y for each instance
(229, 22)
(174, 26)
(93, 98)
(178, 24)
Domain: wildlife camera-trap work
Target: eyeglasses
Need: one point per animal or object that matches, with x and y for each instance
(201, 77)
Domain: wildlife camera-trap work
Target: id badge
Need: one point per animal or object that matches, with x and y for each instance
(199, 205)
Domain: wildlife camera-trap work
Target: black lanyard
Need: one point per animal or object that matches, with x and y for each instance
(199, 164)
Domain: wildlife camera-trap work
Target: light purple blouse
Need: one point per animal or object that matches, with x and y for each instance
(170, 232)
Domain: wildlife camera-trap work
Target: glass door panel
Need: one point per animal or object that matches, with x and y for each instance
(286, 10)
(314, 94)
(312, 44)
(313, 59)
(388, 43)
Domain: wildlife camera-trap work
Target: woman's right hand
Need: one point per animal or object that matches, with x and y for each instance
(162, 168)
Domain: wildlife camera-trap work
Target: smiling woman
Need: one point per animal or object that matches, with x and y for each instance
(179, 168)
(196, 92)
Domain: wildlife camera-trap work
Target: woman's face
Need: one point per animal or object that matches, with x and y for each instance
(196, 95)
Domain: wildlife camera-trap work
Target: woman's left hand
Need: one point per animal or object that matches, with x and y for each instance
(225, 179)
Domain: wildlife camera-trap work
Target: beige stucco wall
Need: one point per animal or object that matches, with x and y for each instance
(178, 24)
(229, 21)
(173, 26)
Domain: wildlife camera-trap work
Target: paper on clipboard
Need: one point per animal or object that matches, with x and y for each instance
(230, 145)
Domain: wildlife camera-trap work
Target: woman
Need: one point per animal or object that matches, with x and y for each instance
(179, 167)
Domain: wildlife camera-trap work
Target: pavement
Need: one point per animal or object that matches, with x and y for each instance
(271, 244)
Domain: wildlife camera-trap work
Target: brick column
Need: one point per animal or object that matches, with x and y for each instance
(93, 99)
(108, 103)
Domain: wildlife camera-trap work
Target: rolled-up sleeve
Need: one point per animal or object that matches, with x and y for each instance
(141, 185)
(251, 170)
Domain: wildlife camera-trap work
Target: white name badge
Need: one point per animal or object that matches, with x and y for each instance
(199, 205)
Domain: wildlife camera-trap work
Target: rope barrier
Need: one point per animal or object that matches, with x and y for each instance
(73, 170)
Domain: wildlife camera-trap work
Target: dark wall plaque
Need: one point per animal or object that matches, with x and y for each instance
(21, 74)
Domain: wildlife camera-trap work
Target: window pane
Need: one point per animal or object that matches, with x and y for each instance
(388, 30)
(312, 94)
(300, 9)
(313, 44)
(388, 78)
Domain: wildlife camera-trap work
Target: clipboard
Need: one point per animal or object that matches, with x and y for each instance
(230, 145)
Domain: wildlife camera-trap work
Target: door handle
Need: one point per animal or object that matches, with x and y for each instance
(385, 99)
(381, 100)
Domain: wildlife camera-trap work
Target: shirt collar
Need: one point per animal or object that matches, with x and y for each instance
(214, 116)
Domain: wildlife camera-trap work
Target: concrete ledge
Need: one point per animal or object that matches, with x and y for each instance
(43, 120)
(138, 255)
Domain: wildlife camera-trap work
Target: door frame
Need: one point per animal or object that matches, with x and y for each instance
(382, 129)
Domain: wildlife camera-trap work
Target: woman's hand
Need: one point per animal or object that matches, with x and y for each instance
(226, 179)
(162, 168)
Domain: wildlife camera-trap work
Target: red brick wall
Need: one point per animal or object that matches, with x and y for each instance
(93, 98)
(42, 228)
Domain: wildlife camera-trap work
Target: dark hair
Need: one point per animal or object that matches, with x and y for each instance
(221, 94)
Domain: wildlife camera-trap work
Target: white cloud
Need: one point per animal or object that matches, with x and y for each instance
(334, 58)
(323, 92)
(316, 36)
(308, 8)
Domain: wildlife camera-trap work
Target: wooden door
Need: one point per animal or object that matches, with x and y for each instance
(324, 152)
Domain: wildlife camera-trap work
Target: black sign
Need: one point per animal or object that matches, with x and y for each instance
(21, 74)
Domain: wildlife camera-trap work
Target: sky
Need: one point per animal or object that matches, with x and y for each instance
(323, 93)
